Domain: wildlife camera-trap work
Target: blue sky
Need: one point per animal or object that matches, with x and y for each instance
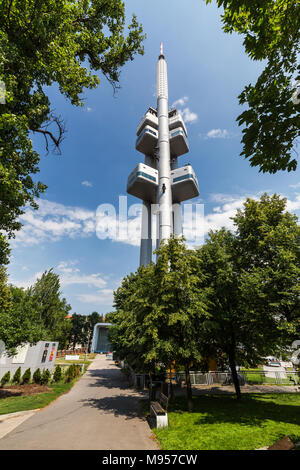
(207, 70)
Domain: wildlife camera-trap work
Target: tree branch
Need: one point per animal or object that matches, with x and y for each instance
(48, 134)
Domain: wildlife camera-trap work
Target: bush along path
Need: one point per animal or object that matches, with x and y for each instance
(24, 393)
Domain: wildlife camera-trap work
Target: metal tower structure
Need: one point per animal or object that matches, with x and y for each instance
(162, 138)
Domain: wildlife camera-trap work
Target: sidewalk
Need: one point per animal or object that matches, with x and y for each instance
(10, 421)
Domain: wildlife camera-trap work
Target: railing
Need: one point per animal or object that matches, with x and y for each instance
(141, 381)
(247, 377)
(70, 352)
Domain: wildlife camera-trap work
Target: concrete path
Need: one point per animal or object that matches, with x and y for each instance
(11, 421)
(100, 412)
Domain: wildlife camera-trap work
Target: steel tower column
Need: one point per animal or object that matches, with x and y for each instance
(177, 214)
(146, 229)
(164, 169)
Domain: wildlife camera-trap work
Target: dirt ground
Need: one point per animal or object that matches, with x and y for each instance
(25, 390)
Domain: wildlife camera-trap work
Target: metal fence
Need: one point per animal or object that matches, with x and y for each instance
(245, 377)
(141, 381)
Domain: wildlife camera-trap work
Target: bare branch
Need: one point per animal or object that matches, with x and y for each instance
(56, 140)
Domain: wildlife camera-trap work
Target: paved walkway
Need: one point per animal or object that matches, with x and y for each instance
(100, 412)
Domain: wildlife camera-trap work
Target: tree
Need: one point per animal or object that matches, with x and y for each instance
(19, 319)
(51, 307)
(254, 279)
(46, 42)
(92, 320)
(79, 330)
(160, 312)
(271, 32)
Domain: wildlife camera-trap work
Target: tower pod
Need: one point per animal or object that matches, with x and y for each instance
(184, 184)
(143, 182)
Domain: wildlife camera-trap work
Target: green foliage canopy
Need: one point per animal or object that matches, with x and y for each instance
(46, 42)
(254, 279)
(271, 32)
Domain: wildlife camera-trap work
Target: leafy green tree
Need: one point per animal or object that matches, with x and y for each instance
(92, 320)
(51, 307)
(271, 32)
(5, 295)
(253, 275)
(181, 307)
(19, 319)
(79, 330)
(35, 314)
(109, 317)
(46, 42)
(160, 312)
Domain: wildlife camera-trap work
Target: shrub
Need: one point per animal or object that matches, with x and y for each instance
(45, 377)
(77, 370)
(5, 379)
(17, 376)
(37, 376)
(57, 376)
(72, 372)
(26, 376)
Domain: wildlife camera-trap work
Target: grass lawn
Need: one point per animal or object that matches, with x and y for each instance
(23, 403)
(63, 361)
(219, 422)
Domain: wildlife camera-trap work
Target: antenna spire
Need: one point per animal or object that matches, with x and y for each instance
(161, 55)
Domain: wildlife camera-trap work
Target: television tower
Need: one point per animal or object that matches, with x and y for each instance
(162, 186)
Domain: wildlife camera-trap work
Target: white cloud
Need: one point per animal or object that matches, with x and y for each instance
(69, 275)
(187, 115)
(293, 205)
(26, 283)
(180, 102)
(88, 184)
(53, 221)
(217, 134)
(221, 215)
(295, 186)
(102, 297)
(218, 218)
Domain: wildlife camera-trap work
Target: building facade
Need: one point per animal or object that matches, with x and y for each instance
(39, 356)
(100, 341)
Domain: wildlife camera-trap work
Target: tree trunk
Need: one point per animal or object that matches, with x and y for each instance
(189, 392)
(171, 397)
(232, 363)
(150, 388)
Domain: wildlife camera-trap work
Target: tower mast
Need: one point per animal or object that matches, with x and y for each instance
(164, 196)
(161, 138)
